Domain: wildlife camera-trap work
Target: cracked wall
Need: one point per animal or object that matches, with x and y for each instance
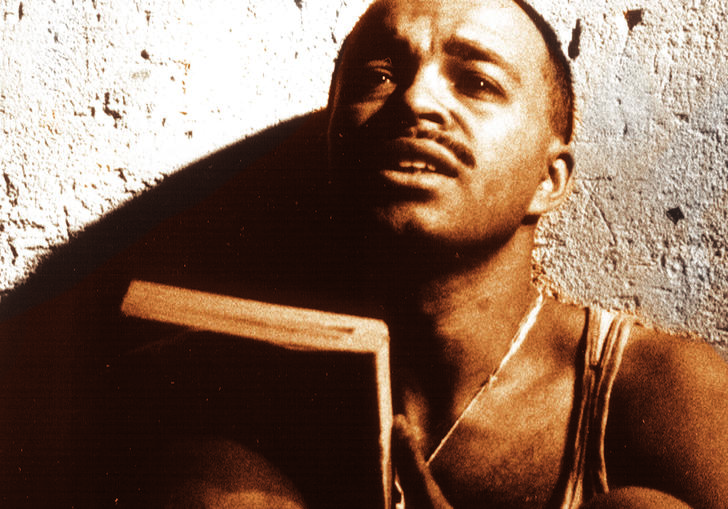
(100, 99)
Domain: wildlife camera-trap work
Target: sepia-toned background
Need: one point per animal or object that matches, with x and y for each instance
(101, 99)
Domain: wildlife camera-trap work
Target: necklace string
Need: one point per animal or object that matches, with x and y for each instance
(527, 323)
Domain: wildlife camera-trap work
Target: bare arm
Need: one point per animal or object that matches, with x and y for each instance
(635, 498)
(668, 423)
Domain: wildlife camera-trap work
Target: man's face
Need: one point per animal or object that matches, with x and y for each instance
(439, 117)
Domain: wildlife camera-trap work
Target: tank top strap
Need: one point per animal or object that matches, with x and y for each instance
(606, 337)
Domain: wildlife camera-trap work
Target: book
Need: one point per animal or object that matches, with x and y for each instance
(310, 390)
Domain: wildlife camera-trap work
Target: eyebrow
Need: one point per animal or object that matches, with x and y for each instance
(381, 42)
(467, 49)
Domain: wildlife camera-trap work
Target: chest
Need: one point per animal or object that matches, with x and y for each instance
(509, 449)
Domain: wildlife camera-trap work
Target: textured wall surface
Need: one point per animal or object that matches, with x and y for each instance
(647, 226)
(99, 99)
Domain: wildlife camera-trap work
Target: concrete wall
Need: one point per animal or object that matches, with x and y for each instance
(647, 226)
(99, 99)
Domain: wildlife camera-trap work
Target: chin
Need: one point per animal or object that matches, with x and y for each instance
(401, 220)
(433, 235)
(411, 231)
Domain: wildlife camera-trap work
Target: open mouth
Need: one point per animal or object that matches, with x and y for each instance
(414, 156)
(416, 167)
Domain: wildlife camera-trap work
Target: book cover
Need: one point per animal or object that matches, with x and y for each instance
(306, 389)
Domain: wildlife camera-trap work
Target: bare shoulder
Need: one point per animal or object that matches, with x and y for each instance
(668, 422)
(674, 366)
(684, 370)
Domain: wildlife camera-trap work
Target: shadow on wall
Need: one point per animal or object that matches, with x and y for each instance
(252, 221)
(269, 174)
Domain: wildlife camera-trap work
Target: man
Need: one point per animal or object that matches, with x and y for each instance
(451, 122)
(449, 135)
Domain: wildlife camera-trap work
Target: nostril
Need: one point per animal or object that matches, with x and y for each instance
(432, 117)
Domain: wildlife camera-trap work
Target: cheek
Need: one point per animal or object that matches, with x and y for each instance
(503, 185)
(350, 111)
(347, 119)
(511, 150)
(359, 113)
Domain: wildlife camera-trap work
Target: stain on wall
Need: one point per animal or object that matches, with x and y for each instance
(573, 49)
(633, 17)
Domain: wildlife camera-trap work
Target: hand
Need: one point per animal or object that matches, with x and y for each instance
(419, 487)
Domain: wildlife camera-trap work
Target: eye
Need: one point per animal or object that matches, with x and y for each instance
(478, 86)
(374, 79)
(377, 77)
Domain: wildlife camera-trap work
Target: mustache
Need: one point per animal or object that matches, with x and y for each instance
(459, 149)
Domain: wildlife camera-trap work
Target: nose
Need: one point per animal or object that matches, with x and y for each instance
(425, 97)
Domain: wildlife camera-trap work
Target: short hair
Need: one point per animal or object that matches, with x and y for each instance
(558, 75)
(561, 109)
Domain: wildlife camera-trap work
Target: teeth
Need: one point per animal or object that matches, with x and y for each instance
(417, 166)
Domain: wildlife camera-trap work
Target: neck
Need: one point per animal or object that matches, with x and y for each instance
(460, 321)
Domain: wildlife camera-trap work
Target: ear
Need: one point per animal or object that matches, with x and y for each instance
(554, 185)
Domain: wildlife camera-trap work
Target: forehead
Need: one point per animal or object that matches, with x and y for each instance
(499, 26)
